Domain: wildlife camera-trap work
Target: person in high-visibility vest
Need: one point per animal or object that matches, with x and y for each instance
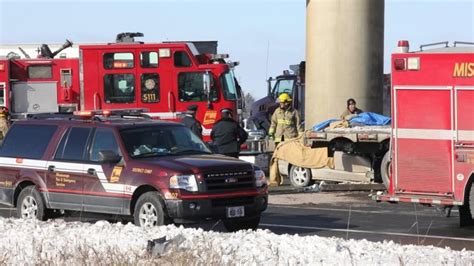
(286, 121)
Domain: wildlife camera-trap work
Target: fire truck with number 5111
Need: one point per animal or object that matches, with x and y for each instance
(432, 140)
(164, 78)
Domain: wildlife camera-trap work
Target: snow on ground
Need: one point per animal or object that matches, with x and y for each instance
(59, 242)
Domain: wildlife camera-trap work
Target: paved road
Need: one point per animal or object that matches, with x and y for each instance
(354, 217)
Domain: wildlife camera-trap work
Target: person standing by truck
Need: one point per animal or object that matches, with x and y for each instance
(190, 121)
(351, 110)
(286, 121)
(4, 121)
(227, 135)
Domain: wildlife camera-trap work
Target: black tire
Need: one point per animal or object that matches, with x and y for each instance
(149, 210)
(466, 211)
(300, 176)
(30, 205)
(236, 224)
(385, 169)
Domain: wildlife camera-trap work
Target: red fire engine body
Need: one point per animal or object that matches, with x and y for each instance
(164, 78)
(432, 142)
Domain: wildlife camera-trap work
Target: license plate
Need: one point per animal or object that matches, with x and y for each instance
(233, 212)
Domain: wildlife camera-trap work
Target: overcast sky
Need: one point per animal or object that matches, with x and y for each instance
(252, 32)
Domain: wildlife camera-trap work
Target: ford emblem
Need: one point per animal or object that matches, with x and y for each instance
(231, 180)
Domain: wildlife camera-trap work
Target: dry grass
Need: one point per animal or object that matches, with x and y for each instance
(88, 255)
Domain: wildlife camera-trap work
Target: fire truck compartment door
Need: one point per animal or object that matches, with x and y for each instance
(424, 142)
(34, 97)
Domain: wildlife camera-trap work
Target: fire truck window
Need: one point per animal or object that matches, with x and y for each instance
(191, 89)
(181, 59)
(40, 72)
(73, 144)
(66, 78)
(228, 86)
(104, 140)
(119, 88)
(118, 60)
(150, 88)
(27, 141)
(149, 59)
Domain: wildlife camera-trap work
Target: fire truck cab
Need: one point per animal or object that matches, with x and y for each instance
(432, 140)
(164, 78)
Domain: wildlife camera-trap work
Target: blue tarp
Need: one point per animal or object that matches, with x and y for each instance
(371, 119)
(366, 119)
(323, 125)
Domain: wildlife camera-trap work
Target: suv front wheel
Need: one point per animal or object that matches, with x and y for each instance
(149, 211)
(30, 205)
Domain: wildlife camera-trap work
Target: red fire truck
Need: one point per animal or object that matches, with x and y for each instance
(432, 140)
(164, 78)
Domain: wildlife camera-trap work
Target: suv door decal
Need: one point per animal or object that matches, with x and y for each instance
(70, 167)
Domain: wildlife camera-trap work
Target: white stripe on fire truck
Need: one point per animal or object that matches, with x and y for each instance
(466, 135)
(433, 134)
(70, 168)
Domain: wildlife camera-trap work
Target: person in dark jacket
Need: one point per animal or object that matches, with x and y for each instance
(191, 122)
(227, 135)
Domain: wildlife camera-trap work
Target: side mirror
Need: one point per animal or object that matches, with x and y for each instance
(206, 85)
(108, 156)
(206, 82)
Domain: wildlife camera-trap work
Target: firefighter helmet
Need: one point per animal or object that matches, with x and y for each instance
(284, 97)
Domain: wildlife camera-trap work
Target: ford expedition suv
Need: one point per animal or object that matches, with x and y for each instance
(157, 172)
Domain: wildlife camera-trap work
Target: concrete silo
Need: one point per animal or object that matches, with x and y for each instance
(344, 56)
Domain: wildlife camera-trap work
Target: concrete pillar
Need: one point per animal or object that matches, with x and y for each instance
(344, 57)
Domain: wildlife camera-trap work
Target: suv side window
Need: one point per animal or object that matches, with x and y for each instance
(73, 145)
(27, 141)
(104, 140)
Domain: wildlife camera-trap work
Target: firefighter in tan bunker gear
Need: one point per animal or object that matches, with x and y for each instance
(285, 122)
(4, 121)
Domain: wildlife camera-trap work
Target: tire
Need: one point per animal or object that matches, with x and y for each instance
(300, 176)
(385, 169)
(466, 211)
(236, 224)
(30, 205)
(149, 210)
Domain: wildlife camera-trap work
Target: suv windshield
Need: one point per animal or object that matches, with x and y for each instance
(228, 85)
(161, 141)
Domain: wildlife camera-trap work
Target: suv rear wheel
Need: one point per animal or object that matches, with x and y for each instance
(236, 224)
(30, 205)
(149, 211)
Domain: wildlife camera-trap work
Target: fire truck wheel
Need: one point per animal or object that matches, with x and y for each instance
(466, 211)
(236, 224)
(149, 211)
(300, 176)
(385, 169)
(30, 205)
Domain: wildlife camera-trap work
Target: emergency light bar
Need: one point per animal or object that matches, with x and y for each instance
(107, 113)
(218, 56)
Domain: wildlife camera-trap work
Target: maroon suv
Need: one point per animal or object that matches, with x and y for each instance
(158, 172)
